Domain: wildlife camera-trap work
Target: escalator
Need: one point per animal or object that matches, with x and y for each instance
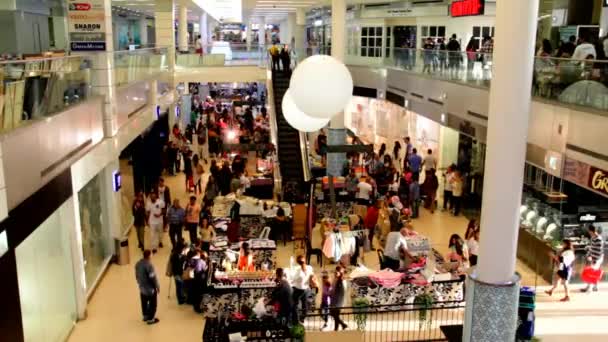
(292, 153)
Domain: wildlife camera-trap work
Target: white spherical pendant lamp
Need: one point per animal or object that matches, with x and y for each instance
(299, 120)
(321, 86)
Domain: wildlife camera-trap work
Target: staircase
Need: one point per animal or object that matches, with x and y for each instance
(289, 152)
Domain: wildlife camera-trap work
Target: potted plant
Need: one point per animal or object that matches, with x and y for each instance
(424, 302)
(297, 332)
(360, 307)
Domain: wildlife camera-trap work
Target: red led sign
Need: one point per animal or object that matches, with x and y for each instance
(465, 8)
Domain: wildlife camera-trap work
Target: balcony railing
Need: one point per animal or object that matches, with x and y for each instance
(403, 322)
(138, 65)
(223, 54)
(36, 88)
(568, 81)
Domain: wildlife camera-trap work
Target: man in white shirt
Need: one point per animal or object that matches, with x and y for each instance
(364, 190)
(429, 162)
(155, 208)
(584, 50)
(300, 282)
(396, 246)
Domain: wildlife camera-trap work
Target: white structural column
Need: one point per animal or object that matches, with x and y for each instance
(604, 22)
(338, 44)
(165, 37)
(291, 29)
(204, 28)
(102, 76)
(493, 288)
(262, 32)
(300, 30)
(506, 153)
(249, 37)
(143, 31)
(182, 27)
(337, 132)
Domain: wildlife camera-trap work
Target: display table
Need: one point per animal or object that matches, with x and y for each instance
(443, 287)
(264, 255)
(442, 291)
(261, 188)
(266, 329)
(228, 292)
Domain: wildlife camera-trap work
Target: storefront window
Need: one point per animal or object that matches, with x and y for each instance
(95, 234)
(46, 278)
(371, 41)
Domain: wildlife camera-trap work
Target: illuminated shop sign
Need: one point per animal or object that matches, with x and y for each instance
(465, 8)
(587, 218)
(598, 180)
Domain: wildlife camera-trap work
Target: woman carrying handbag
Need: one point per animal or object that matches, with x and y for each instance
(565, 259)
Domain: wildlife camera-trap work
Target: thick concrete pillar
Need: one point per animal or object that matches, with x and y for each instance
(262, 32)
(103, 81)
(182, 27)
(204, 29)
(249, 37)
(291, 29)
(493, 287)
(143, 32)
(300, 31)
(337, 132)
(164, 15)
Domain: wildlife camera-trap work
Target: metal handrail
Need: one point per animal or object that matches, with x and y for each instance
(274, 135)
(304, 154)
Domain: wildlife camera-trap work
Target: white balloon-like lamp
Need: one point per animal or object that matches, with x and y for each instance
(299, 120)
(321, 86)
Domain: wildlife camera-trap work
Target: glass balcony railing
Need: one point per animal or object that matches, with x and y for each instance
(40, 87)
(573, 82)
(137, 65)
(223, 54)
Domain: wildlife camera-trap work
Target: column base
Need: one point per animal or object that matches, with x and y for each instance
(491, 311)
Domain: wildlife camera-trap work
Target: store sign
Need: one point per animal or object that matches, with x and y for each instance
(598, 180)
(86, 25)
(465, 8)
(587, 218)
(116, 181)
(576, 172)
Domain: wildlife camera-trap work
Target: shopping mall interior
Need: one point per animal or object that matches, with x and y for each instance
(290, 170)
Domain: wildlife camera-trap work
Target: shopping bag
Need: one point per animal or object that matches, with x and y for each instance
(591, 275)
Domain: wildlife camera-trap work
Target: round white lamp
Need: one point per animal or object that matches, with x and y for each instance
(321, 86)
(299, 120)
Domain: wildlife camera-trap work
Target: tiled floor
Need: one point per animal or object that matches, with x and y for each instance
(114, 310)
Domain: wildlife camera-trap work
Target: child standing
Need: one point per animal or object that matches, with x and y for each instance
(325, 298)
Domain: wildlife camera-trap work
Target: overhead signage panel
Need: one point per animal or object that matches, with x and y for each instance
(465, 8)
(86, 25)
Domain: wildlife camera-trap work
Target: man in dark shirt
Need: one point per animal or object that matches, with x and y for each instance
(453, 48)
(567, 48)
(139, 218)
(283, 296)
(148, 287)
